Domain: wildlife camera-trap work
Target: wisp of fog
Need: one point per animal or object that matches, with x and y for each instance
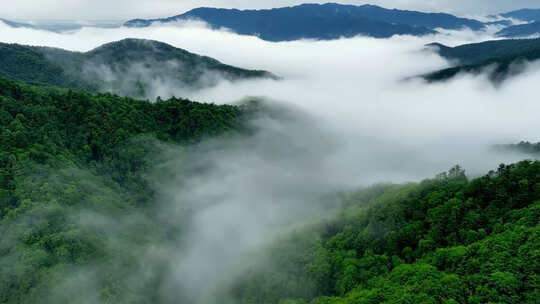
(346, 114)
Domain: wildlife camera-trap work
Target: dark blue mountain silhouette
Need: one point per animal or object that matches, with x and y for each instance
(525, 14)
(316, 21)
(522, 30)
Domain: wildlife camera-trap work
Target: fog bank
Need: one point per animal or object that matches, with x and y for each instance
(343, 117)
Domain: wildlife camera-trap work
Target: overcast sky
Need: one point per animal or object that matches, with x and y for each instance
(126, 9)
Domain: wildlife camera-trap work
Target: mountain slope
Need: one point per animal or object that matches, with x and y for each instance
(79, 219)
(131, 67)
(525, 14)
(67, 156)
(469, 53)
(505, 57)
(521, 30)
(445, 240)
(29, 64)
(327, 21)
(16, 24)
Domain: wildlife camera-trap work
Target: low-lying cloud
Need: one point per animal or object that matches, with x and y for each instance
(385, 127)
(346, 117)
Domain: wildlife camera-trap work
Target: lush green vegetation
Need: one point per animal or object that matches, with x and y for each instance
(500, 59)
(30, 65)
(129, 67)
(77, 216)
(445, 240)
(75, 206)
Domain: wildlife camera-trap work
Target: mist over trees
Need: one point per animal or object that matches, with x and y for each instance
(445, 240)
(79, 218)
(131, 67)
(74, 202)
(321, 187)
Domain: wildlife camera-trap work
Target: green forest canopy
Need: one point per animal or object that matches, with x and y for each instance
(67, 156)
(128, 67)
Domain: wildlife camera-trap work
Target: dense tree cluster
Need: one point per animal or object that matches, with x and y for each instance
(445, 240)
(76, 216)
(69, 154)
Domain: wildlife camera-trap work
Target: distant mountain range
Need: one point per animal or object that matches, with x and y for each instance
(521, 30)
(526, 14)
(532, 28)
(324, 22)
(61, 25)
(503, 56)
(129, 67)
(15, 24)
(315, 21)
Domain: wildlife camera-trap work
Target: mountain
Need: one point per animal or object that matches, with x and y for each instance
(504, 23)
(525, 14)
(80, 217)
(470, 53)
(444, 240)
(520, 30)
(506, 57)
(16, 24)
(130, 67)
(60, 26)
(316, 21)
(532, 16)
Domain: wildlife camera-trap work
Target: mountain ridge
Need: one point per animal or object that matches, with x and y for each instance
(320, 21)
(127, 67)
(505, 56)
(524, 14)
(520, 30)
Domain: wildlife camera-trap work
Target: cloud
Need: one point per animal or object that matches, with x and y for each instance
(343, 117)
(354, 86)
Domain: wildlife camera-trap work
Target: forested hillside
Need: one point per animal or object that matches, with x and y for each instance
(131, 67)
(52, 126)
(78, 221)
(445, 240)
(67, 156)
(501, 59)
(475, 52)
(31, 65)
